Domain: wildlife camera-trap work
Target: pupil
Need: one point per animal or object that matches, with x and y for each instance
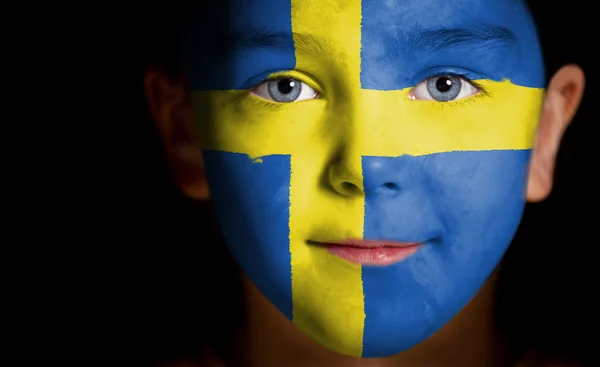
(285, 86)
(443, 84)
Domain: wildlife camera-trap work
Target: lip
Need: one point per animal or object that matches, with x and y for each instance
(369, 252)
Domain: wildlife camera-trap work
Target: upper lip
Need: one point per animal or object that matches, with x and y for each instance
(368, 243)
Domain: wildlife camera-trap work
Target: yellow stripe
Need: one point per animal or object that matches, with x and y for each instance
(505, 117)
(392, 124)
(327, 292)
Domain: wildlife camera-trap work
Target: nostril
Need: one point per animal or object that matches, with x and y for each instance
(349, 187)
(391, 186)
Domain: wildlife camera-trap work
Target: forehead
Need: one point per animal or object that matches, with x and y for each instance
(399, 13)
(401, 35)
(391, 15)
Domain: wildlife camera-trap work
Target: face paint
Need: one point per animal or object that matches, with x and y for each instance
(390, 121)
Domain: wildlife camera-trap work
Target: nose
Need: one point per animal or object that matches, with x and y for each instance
(383, 175)
(344, 173)
(351, 174)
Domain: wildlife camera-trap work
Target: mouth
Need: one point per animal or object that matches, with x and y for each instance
(368, 252)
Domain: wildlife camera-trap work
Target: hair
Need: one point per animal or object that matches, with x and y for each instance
(522, 311)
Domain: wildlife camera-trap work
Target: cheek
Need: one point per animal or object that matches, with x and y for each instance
(481, 200)
(249, 193)
(251, 203)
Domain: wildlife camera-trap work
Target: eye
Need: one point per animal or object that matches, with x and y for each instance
(443, 88)
(284, 90)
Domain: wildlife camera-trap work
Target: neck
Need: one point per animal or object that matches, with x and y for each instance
(470, 339)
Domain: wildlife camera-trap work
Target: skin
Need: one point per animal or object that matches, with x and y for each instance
(269, 339)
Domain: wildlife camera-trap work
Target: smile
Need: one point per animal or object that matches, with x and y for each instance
(376, 253)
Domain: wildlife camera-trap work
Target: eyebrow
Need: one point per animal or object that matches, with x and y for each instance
(476, 35)
(306, 44)
(434, 39)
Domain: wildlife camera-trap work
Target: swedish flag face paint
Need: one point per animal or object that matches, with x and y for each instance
(367, 159)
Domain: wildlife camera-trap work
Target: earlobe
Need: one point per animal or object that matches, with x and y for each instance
(170, 108)
(562, 100)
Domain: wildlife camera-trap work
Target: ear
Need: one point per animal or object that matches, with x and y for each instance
(171, 110)
(561, 102)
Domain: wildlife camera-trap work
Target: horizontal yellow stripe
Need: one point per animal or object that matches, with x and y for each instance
(378, 123)
(505, 117)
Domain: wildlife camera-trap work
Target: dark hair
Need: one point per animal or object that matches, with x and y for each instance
(526, 307)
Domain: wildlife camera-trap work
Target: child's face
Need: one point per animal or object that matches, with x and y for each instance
(406, 122)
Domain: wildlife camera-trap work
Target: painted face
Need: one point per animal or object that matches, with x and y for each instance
(367, 159)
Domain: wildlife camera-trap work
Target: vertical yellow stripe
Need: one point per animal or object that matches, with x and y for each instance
(327, 292)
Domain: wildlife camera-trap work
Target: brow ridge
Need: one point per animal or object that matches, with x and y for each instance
(442, 38)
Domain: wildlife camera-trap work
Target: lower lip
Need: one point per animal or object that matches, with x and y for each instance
(377, 256)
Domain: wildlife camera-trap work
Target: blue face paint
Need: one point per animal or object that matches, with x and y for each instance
(403, 41)
(451, 175)
(227, 46)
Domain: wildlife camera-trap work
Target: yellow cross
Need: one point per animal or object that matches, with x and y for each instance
(329, 135)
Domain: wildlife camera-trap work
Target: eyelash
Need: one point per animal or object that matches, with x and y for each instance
(482, 93)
